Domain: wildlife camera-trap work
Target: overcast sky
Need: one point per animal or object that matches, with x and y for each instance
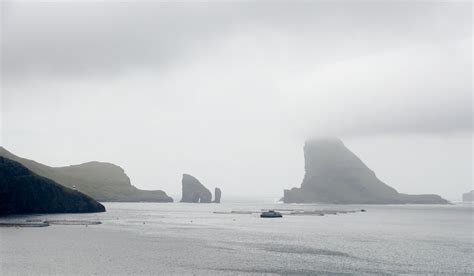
(229, 91)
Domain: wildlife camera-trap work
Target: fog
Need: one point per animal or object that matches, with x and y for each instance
(229, 92)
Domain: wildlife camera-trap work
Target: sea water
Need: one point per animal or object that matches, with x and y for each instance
(183, 238)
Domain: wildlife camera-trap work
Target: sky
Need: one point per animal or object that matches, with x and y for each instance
(228, 91)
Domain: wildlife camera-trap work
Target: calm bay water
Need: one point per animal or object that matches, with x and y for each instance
(180, 238)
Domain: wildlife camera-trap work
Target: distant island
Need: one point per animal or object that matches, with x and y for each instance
(195, 192)
(24, 192)
(333, 174)
(99, 180)
(468, 197)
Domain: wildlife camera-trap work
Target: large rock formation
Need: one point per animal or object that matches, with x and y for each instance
(101, 181)
(333, 174)
(24, 192)
(468, 197)
(217, 195)
(194, 191)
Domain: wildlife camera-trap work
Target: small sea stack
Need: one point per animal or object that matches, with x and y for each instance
(217, 195)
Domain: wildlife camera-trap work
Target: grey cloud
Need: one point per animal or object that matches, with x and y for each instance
(109, 37)
(95, 38)
(423, 89)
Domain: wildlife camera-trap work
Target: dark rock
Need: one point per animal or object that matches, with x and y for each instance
(333, 174)
(217, 195)
(24, 192)
(468, 197)
(194, 191)
(102, 181)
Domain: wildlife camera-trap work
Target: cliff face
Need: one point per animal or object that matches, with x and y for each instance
(468, 197)
(194, 191)
(217, 195)
(24, 192)
(102, 181)
(333, 174)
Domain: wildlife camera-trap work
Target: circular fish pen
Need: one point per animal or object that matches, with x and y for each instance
(24, 224)
(73, 222)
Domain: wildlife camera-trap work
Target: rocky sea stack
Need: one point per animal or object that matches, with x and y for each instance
(24, 192)
(194, 191)
(333, 174)
(99, 180)
(217, 195)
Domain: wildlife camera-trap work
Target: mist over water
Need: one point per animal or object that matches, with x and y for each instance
(229, 92)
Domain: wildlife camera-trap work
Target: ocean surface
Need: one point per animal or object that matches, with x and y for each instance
(181, 238)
